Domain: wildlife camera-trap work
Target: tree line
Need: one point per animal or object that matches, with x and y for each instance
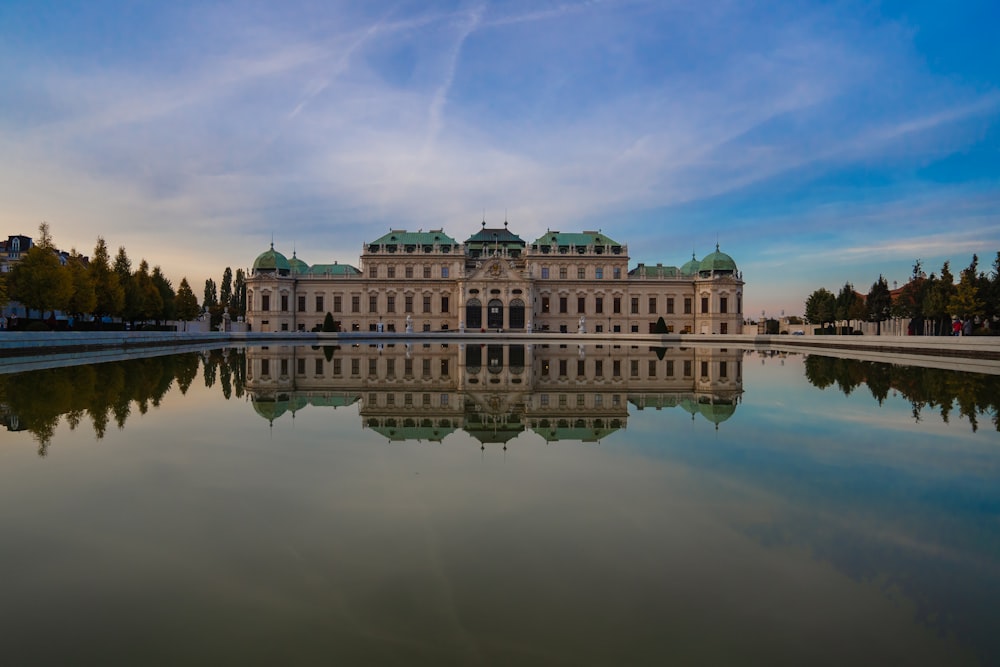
(934, 299)
(109, 289)
(109, 393)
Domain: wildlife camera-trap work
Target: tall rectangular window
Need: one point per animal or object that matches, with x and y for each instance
(337, 303)
(373, 304)
(635, 305)
(562, 368)
(652, 304)
(545, 272)
(704, 304)
(581, 304)
(670, 367)
(444, 271)
(390, 304)
(687, 368)
(391, 272)
(319, 303)
(545, 304)
(723, 304)
(408, 303)
(617, 272)
(408, 272)
(373, 271)
(599, 273)
(284, 302)
(427, 271)
(581, 273)
(355, 367)
(687, 305)
(581, 368)
(302, 303)
(319, 367)
(444, 304)
(355, 304)
(616, 305)
(670, 305)
(427, 303)
(265, 302)
(599, 304)
(563, 306)
(562, 273)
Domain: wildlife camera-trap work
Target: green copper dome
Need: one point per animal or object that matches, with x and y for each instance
(271, 260)
(297, 266)
(691, 267)
(717, 262)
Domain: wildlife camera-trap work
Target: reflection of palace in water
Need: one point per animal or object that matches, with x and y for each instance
(424, 391)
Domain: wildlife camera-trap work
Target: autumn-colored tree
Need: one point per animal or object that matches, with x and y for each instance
(108, 291)
(186, 303)
(167, 295)
(39, 280)
(84, 297)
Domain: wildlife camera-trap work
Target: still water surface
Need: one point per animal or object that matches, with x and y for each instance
(499, 505)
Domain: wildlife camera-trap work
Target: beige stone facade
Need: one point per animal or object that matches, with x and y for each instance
(427, 281)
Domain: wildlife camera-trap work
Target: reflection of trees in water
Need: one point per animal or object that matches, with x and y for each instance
(973, 394)
(108, 392)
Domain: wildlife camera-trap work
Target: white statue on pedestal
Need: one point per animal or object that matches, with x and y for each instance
(583, 325)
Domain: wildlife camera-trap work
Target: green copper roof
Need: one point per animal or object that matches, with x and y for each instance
(717, 261)
(658, 271)
(333, 270)
(403, 237)
(271, 260)
(575, 239)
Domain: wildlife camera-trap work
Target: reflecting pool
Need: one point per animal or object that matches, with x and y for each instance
(493, 504)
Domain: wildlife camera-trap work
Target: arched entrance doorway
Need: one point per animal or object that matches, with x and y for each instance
(517, 314)
(473, 314)
(494, 316)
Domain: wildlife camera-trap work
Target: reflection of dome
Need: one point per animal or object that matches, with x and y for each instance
(270, 408)
(717, 412)
(271, 261)
(690, 267)
(717, 263)
(297, 266)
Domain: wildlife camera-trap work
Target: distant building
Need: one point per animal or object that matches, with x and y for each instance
(13, 250)
(495, 280)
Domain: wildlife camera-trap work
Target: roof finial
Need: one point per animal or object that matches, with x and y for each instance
(272, 240)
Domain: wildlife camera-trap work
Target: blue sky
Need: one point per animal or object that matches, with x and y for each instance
(817, 143)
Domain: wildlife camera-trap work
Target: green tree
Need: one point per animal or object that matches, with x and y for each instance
(167, 295)
(84, 297)
(238, 305)
(39, 280)
(328, 323)
(879, 302)
(937, 300)
(821, 307)
(660, 327)
(847, 299)
(186, 303)
(108, 291)
(211, 294)
(226, 289)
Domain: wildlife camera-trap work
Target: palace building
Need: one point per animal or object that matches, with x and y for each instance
(428, 281)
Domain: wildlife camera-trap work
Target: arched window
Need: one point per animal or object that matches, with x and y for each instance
(517, 314)
(494, 315)
(473, 314)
